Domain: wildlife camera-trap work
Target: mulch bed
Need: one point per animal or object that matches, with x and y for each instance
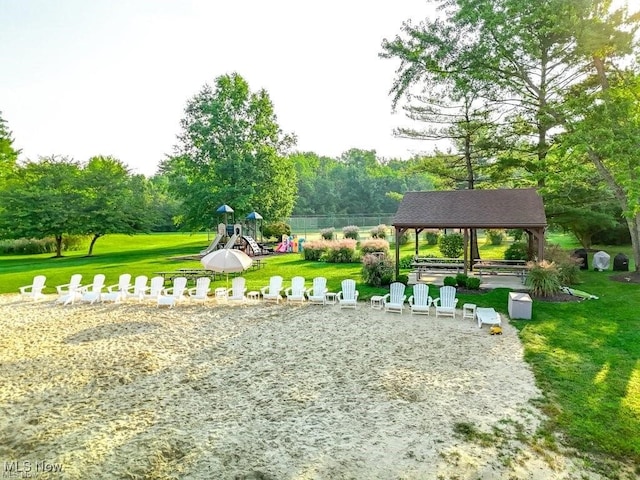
(626, 277)
(558, 297)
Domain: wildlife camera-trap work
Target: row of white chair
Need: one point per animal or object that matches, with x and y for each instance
(74, 291)
(275, 291)
(298, 292)
(420, 302)
(96, 291)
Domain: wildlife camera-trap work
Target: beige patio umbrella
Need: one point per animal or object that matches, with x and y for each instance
(226, 261)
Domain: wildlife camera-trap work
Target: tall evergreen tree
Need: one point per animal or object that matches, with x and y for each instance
(8, 154)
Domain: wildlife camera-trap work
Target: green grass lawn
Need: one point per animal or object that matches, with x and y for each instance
(585, 356)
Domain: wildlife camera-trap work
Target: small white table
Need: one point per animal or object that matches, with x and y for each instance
(221, 294)
(488, 316)
(469, 311)
(253, 295)
(377, 302)
(330, 298)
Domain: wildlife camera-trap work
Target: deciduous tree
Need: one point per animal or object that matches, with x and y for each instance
(231, 151)
(113, 200)
(41, 199)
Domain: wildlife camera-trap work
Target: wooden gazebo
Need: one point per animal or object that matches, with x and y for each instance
(472, 209)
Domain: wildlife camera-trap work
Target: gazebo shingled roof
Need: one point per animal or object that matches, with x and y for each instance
(467, 209)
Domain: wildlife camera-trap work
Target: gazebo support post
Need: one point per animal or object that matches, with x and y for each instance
(466, 250)
(536, 242)
(418, 231)
(539, 233)
(399, 233)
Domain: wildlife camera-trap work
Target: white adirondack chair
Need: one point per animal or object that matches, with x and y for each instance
(420, 301)
(172, 295)
(201, 291)
(348, 296)
(295, 293)
(34, 291)
(93, 293)
(272, 291)
(446, 303)
(155, 289)
(138, 289)
(315, 294)
(70, 292)
(116, 293)
(394, 300)
(238, 289)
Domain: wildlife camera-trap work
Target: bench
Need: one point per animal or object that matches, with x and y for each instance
(189, 274)
(423, 265)
(494, 267)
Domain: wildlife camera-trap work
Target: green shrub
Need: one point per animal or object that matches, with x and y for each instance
(473, 283)
(403, 239)
(377, 270)
(495, 237)
(461, 280)
(451, 245)
(449, 281)
(379, 232)
(517, 251)
(27, 246)
(374, 245)
(34, 246)
(276, 230)
(327, 233)
(543, 278)
(567, 265)
(432, 238)
(406, 261)
(73, 243)
(403, 279)
(351, 231)
(516, 233)
(617, 235)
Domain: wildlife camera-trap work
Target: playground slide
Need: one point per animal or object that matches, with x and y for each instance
(213, 245)
(253, 245)
(282, 247)
(231, 241)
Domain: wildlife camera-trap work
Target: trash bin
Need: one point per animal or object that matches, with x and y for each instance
(581, 254)
(621, 263)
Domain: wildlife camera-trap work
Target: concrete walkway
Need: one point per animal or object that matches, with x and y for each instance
(512, 282)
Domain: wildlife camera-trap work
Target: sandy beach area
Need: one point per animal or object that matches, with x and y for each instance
(265, 391)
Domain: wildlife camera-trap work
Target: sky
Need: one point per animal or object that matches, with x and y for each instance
(112, 77)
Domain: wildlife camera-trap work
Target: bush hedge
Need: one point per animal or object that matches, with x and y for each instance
(33, 246)
(377, 270)
(374, 245)
(451, 245)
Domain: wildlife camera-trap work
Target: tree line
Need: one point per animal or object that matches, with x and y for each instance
(541, 94)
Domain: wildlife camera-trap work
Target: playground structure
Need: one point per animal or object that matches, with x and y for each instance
(220, 233)
(290, 244)
(230, 236)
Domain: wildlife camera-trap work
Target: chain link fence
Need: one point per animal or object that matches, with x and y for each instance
(302, 225)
